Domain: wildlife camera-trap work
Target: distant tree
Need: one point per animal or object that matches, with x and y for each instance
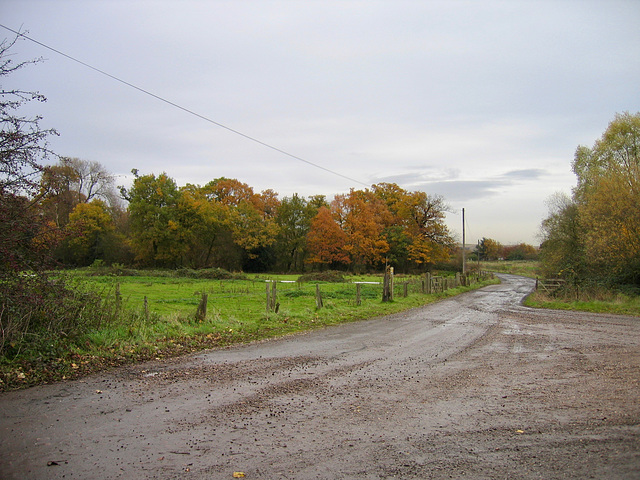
(157, 236)
(417, 234)
(73, 181)
(522, 251)
(363, 217)
(229, 191)
(431, 240)
(206, 222)
(57, 195)
(89, 230)
(489, 249)
(315, 202)
(93, 181)
(326, 241)
(294, 220)
(251, 221)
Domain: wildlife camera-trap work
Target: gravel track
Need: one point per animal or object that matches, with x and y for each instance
(476, 386)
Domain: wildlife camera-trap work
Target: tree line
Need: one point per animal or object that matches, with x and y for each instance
(490, 249)
(225, 223)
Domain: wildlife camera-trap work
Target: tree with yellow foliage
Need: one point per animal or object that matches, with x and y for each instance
(606, 205)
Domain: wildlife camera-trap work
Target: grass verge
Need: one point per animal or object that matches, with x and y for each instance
(612, 303)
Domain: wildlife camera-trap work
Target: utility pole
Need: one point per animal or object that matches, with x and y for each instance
(464, 253)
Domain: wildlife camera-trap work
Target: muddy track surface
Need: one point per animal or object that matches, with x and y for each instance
(476, 386)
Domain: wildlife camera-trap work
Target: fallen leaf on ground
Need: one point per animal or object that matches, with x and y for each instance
(238, 475)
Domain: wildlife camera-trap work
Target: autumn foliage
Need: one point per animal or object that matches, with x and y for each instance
(226, 224)
(594, 235)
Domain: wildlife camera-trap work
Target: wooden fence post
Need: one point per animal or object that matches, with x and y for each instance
(318, 297)
(146, 308)
(358, 298)
(201, 312)
(268, 298)
(427, 280)
(118, 298)
(406, 289)
(274, 296)
(386, 285)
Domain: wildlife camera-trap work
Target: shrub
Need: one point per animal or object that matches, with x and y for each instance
(37, 311)
(330, 276)
(209, 274)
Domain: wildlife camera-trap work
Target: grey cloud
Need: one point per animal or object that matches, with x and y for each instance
(458, 190)
(526, 174)
(453, 189)
(419, 176)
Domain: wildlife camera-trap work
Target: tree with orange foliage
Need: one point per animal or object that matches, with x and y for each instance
(364, 218)
(326, 241)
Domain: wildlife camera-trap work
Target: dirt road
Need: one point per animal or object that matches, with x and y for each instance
(472, 387)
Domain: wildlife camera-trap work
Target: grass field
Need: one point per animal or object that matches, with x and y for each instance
(236, 312)
(526, 268)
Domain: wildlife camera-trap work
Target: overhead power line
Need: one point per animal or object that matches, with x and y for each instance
(184, 109)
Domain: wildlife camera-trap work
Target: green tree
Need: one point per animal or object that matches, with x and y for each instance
(57, 195)
(293, 218)
(157, 236)
(206, 221)
(563, 250)
(522, 251)
(251, 228)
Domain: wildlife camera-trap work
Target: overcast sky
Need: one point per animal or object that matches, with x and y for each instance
(482, 102)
